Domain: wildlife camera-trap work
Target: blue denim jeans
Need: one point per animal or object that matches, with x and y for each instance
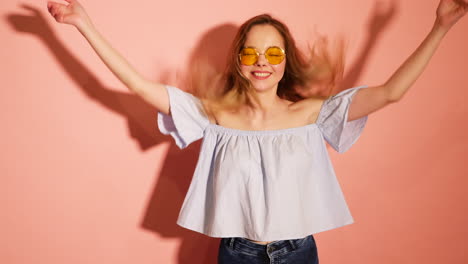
(240, 250)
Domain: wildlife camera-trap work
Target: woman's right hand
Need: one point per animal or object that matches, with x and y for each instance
(72, 13)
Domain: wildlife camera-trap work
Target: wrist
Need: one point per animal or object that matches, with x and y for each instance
(439, 28)
(442, 25)
(84, 26)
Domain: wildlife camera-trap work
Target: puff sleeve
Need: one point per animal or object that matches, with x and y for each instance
(332, 121)
(187, 121)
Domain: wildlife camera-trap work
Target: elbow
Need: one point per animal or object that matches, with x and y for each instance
(391, 99)
(393, 95)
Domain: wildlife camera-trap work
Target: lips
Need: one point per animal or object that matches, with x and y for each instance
(261, 75)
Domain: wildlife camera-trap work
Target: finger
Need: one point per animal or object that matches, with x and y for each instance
(51, 8)
(465, 6)
(464, 9)
(51, 4)
(59, 18)
(462, 4)
(55, 7)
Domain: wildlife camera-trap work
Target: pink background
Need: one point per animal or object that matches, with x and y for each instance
(86, 177)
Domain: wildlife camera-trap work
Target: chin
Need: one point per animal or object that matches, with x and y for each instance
(263, 87)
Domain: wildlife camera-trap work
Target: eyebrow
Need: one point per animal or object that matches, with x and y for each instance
(253, 47)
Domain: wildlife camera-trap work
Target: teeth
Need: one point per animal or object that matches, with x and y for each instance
(262, 74)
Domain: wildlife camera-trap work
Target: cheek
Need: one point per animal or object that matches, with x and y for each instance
(279, 69)
(246, 70)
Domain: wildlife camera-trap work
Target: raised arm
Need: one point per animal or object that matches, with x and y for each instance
(372, 99)
(74, 14)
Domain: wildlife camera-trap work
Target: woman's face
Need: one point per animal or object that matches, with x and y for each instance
(262, 75)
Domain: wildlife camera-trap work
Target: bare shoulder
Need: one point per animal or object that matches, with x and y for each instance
(309, 108)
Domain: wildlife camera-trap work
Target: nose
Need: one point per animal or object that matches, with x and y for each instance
(261, 61)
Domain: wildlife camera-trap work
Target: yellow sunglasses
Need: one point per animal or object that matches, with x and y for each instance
(249, 56)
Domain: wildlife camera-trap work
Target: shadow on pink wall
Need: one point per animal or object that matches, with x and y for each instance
(173, 182)
(166, 199)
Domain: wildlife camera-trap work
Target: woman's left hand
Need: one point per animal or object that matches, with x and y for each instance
(450, 11)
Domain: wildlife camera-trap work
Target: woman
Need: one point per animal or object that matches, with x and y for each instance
(264, 181)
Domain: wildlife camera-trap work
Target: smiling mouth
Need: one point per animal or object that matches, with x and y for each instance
(261, 75)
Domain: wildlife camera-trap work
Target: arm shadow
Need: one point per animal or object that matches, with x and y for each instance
(378, 22)
(140, 116)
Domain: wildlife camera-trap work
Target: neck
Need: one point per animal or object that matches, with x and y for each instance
(264, 102)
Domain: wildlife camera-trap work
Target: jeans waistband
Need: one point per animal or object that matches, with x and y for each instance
(248, 247)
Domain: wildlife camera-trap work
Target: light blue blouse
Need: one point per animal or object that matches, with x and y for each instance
(263, 185)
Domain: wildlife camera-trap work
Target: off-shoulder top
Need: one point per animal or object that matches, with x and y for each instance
(263, 185)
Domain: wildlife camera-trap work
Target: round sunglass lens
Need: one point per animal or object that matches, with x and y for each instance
(248, 56)
(274, 55)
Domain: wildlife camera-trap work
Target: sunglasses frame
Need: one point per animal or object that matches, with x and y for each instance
(258, 55)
